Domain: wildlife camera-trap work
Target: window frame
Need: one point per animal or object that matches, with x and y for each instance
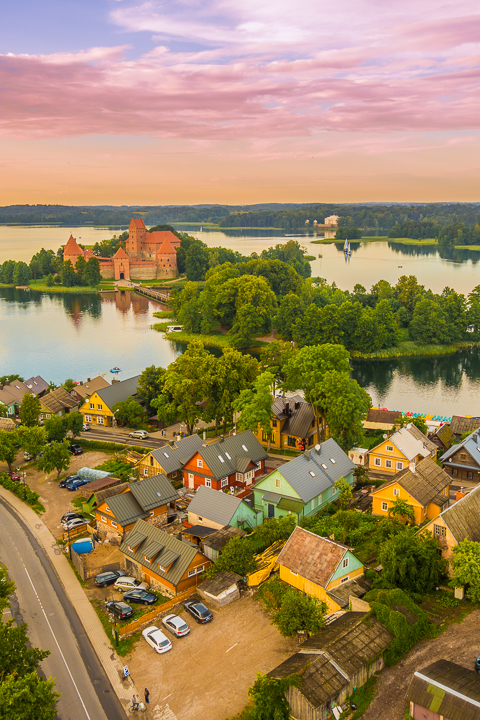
(377, 462)
(208, 482)
(384, 506)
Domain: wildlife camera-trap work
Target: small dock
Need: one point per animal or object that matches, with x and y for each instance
(160, 294)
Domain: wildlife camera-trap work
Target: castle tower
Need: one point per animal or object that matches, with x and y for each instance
(72, 251)
(121, 265)
(136, 237)
(166, 260)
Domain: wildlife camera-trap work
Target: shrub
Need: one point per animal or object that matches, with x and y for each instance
(22, 491)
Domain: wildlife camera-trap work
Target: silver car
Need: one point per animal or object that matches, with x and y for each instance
(130, 583)
(142, 434)
(176, 625)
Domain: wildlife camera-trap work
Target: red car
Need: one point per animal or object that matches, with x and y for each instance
(14, 475)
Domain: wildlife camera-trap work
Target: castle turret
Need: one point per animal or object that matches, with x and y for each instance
(72, 251)
(166, 260)
(121, 265)
(136, 237)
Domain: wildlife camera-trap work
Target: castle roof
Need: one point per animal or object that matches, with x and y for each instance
(121, 253)
(72, 248)
(166, 248)
(159, 236)
(137, 222)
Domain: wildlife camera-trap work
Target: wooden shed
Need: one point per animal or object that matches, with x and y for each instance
(444, 690)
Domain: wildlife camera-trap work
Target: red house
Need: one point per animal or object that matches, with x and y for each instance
(230, 462)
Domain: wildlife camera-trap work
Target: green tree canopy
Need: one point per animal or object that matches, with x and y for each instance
(401, 510)
(8, 451)
(345, 492)
(299, 612)
(129, 412)
(237, 557)
(229, 375)
(30, 410)
(32, 439)
(56, 457)
(466, 568)
(150, 385)
(55, 428)
(73, 422)
(412, 562)
(255, 405)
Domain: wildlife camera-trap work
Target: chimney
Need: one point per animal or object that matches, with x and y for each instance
(412, 467)
(307, 454)
(81, 382)
(7, 382)
(287, 407)
(88, 379)
(318, 449)
(222, 438)
(475, 437)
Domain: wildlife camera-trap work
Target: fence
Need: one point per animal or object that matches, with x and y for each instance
(148, 617)
(76, 532)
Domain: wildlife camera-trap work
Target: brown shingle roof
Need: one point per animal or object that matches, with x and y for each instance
(58, 399)
(424, 484)
(387, 417)
(446, 435)
(313, 557)
(462, 518)
(91, 386)
(461, 425)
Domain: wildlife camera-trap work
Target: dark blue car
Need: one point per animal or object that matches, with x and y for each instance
(76, 484)
(66, 481)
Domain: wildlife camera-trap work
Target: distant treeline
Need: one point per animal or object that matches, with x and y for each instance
(288, 216)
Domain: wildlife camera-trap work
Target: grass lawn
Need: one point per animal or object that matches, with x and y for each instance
(217, 339)
(164, 314)
(42, 287)
(410, 348)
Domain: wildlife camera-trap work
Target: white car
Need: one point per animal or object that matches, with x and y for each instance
(176, 625)
(85, 427)
(158, 641)
(142, 434)
(74, 523)
(130, 583)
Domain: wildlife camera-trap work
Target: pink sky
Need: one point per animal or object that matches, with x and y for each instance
(243, 101)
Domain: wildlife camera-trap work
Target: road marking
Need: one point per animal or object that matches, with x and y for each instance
(167, 696)
(230, 648)
(56, 642)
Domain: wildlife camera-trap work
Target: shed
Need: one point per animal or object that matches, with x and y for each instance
(221, 589)
(216, 541)
(444, 690)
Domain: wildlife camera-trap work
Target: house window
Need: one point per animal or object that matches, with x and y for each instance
(200, 519)
(114, 524)
(274, 423)
(174, 474)
(145, 471)
(224, 482)
(208, 482)
(100, 420)
(151, 459)
(152, 513)
(388, 463)
(454, 472)
(439, 531)
(469, 474)
(345, 563)
(239, 477)
(200, 569)
(291, 441)
(107, 508)
(396, 491)
(259, 466)
(264, 437)
(344, 579)
(334, 490)
(377, 462)
(99, 406)
(103, 518)
(389, 448)
(48, 416)
(199, 463)
(399, 465)
(463, 456)
(92, 406)
(191, 573)
(88, 418)
(278, 482)
(146, 559)
(384, 506)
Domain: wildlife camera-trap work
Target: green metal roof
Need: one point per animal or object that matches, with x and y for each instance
(125, 508)
(295, 506)
(154, 491)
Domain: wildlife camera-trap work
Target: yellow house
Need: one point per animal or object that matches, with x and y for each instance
(98, 408)
(424, 486)
(407, 445)
(456, 523)
(170, 459)
(293, 425)
(317, 566)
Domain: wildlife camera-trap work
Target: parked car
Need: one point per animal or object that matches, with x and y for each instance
(14, 475)
(107, 578)
(119, 608)
(74, 523)
(201, 613)
(142, 434)
(176, 625)
(63, 483)
(74, 484)
(27, 456)
(85, 427)
(156, 639)
(70, 515)
(140, 596)
(130, 583)
(75, 449)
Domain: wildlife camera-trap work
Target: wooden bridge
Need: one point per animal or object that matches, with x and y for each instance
(160, 294)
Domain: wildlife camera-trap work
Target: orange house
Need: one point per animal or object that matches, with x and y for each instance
(165, 563)
(423, 486)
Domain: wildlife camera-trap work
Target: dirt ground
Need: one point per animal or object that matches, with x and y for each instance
(207, 673)
(460, 643)
(56, 501)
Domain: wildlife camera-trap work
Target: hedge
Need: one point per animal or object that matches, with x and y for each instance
(22, 491)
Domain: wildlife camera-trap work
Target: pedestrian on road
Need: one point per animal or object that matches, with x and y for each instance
(135, 703)
(147, 696)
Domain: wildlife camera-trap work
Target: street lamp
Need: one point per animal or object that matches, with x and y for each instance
(24, 487)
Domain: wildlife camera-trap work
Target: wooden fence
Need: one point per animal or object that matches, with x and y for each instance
(76, 532)
(148, 617)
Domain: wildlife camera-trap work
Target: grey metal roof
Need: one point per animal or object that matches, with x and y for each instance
(151, 550)
(447, 689)
(279, 405)
(214, 505)
(185, 551)
(471, 444)
(221, 457)
(220, 583)
(411, 442)
(154, 491)
(173, 458)
(298, 472)
(119, 391)
(297, 411)
(125, 508)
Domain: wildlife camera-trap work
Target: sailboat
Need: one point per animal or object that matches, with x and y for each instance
(346, 248)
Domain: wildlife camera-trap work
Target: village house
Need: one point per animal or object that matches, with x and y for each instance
(423, 486)
(98, 408)
(462, 461)
(215, 509)
(293, 425)
(443, 437)
(83, 390)
(377, 419)
(11, 395)
(148, 499)
(332, 663)
(444, 690)
(213, 543)
(99, 490)
(305, 484)
(170, 459)
(232, 462)
(316, 566)
(57, 402)
(37, 385)
(460, 425)
(405, 446)
(456, 523)
(164, 562)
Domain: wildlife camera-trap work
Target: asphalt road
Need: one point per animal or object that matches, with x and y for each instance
(53, 625)
(122, 438)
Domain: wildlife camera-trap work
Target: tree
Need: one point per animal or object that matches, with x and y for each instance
(299, 612)
(196, 262)
(269, 697)
(22, 274)
(348, 233)
(49, 280)
(412, 562)
(273, 529)
(68, 276)
(27, 698)
(237, 556)
(69, 384)
(73, 422)
(8, 451)
(348, 520)
(345, 407)
(129, 412)
(345, 493)
(15, 654)
(255, 307)
(30, 410)
(32, 439)
(429, 323)
(7, 588)
(401, 510)
(291, 308)
(150, 385)
(91, 273)
(255, 406)
(55, 428)
(80, 269)
(56, 457)
(230, 374)
(466, 568)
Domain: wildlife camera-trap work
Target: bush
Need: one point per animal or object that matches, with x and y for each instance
(117, 467)
(292, 610)
(22, 491)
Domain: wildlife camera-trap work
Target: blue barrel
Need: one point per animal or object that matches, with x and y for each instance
(82, 546)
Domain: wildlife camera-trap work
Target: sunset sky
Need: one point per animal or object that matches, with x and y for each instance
(239, 101)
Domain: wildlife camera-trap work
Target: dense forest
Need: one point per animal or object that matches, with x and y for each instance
(287, 216)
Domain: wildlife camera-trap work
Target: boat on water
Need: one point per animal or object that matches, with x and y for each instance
(115, 370)
(346, 248)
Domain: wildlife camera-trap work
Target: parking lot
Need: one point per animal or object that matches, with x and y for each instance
(207, 673)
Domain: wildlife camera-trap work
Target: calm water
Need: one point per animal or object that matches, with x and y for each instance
(79, 335)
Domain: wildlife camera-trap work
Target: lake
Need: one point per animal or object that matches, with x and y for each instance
(81, 335)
